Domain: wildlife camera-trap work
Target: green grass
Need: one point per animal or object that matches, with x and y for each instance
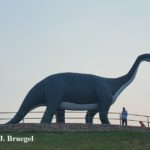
(115, 140)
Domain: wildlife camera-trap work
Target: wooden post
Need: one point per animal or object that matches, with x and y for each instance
(120, 118)
(148, 121)
(23, 117)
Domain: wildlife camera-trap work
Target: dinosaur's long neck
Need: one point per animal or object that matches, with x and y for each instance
(119, 84)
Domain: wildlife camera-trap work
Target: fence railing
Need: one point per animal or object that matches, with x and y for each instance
(79, 117)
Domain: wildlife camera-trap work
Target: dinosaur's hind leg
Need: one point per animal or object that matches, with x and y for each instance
(52, 107)
(60, 116)
(48, 115)
(54, 96)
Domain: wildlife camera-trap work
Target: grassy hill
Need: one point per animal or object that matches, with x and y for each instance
(113, 140)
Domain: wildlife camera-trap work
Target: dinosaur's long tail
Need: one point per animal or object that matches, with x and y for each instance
(34, 98)
(23, 110)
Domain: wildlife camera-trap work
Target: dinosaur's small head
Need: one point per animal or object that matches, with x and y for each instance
(145, 57)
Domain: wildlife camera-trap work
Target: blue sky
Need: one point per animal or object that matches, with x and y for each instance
(40, 38)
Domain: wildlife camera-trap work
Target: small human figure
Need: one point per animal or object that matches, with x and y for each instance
(124, 116)
(142, 124)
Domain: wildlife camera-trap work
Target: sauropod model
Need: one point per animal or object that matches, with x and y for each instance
(75, 91)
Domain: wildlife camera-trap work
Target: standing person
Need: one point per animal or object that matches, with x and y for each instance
(124, 116)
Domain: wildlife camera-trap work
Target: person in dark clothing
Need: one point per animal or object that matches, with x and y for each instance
(142, 124)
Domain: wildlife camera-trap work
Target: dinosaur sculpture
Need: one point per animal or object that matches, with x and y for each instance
(75, 91)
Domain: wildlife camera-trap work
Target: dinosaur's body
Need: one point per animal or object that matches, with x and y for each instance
(76, 91)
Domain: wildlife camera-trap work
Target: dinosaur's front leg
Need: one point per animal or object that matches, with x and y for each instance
(90, 115)
(104, 117)
(104, 99)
